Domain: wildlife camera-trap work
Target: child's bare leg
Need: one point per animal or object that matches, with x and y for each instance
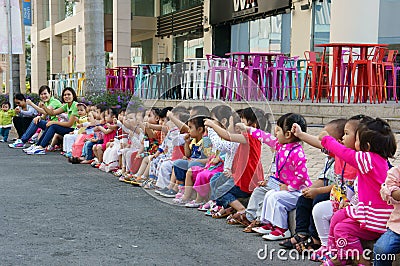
(188, 185)
(120, 161)
(172, 182)
(147, 170)
(237, 206)
(95, 151)
(100, 154)
(200, 198)
(143, 166)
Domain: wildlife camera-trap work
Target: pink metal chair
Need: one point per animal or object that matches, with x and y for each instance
(254, 78)
(389, 65)
(283, 71)
(112, 79)
(129, 76)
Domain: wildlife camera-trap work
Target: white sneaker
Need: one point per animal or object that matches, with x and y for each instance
(36, 151)
(278, 236)
(265, 229)
(18, 144)
(30, 148)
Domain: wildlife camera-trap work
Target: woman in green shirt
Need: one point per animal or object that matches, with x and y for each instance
(61, 128)
(39, 121)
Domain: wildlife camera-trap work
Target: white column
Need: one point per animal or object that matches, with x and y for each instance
(39, 49)
(55, 41)
(301, 29)
(121, 33)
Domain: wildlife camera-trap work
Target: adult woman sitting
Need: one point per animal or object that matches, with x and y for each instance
(52, 127)
(40, 121)
(25, 114)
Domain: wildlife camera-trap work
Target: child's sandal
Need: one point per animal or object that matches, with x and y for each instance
(307, 245)
(225, 213)
(249, 228)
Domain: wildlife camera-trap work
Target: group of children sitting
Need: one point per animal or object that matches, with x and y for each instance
(211, 160)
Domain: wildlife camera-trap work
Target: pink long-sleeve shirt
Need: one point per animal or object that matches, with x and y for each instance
(392, 183)
(291, 166)
(371, 211)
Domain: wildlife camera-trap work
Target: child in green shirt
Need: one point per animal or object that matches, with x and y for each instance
(6, 115)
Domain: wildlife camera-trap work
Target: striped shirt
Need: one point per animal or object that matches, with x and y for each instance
(371, 211)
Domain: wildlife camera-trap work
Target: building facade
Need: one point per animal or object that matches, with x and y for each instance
(146, 31)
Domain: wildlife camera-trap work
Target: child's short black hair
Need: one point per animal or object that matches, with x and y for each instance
(20, 97)
(122, 110)
(156, 111)
(287, 120)
(6, 103)
(222, 112)
(256, 116)
(200, 110)
(360, 119)
(376, 136)
(179, 109)
(184, 117)
(339, 127)
(164, 111)
(101, 107)
(198, 121)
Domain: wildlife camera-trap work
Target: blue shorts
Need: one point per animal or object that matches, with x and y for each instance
(181, 166)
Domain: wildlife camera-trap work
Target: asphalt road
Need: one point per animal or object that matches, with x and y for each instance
(56, 213)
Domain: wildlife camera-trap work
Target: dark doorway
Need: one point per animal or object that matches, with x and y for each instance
(221, 40)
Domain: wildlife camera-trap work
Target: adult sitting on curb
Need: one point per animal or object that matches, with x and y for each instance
(52, 127)
(40, 121)
(25, 114)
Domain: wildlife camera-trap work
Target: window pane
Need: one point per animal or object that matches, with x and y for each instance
(144, 8)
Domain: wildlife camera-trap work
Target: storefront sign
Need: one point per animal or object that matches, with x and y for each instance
(244, 7)
(222, 11)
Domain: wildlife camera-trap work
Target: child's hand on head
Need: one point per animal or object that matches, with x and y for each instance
(241, 127)
(169, 114)
(322, 134)
(208, 123)
(296, 129)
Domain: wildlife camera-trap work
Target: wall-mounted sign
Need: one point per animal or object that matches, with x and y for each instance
(222, 11)
(27, 12)
(244, 7)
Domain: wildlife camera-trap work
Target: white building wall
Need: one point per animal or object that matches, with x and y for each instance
(301, 29)
(355, 21)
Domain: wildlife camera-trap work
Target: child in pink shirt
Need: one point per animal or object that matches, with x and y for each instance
(367, 219)
(291, 173)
